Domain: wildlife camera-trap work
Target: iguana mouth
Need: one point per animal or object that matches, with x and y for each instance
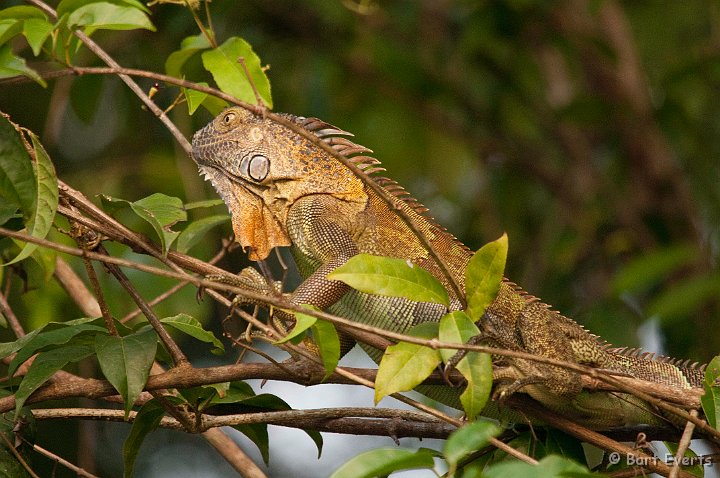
(204, 167)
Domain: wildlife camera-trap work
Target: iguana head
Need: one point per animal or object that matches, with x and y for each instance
(260, 168)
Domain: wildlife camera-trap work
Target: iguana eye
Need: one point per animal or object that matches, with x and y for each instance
(259, 167)
(229, 117)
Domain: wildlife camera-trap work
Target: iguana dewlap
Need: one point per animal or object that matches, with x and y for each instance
(284, 190)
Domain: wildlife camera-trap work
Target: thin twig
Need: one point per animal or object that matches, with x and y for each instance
(249, 77)
(11, 317)
(110, 227)
(277, 417)
(18, 456)
(151, 303)
(208, 33)
(181, 416)
(683, 446)
(233, 454)
(172, 290)
(592, 437)
(75, 288)
(179, 358)
(105, 310)
(63, 462)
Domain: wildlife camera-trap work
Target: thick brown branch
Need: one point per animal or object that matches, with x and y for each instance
(349, 420)
(589, 436)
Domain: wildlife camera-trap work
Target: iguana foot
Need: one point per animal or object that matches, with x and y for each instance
(251, 280)
(548, 385)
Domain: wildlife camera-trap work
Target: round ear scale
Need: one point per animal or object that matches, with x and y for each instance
(259, 167)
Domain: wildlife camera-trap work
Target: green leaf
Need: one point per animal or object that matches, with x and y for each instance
(194, 98)
(109, 16)
(190, 325)
(11, 65)
(198, 397)
(265, 401)
(214, 105)
(236, 392)
(69, 6)
(392, 277)
(7, 348)
(27, 178)
(467, 440)
(9, 27)
(44, 366)
(160, 211)
(477, 369)
(222, 63)
(455, 327)
(560, 443)
(327, 340)
(383, 461)
(302, 323)
(711, 400)
(483, 276)
(242, 394)
(204, 204)
(42, 215)
(474, 366)
(126, 361)
(317, 438)
(552, 466)
(147, 419)
(258, 434)
(53, 336)
(188, 47)
(8, 210)
(694, 466)
(36, 31)
(196, 230)
(202, 396)
(17, 180)
(21, 12)
(404, 365)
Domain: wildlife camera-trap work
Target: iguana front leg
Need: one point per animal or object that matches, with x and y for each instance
(325, 244)
(528, 327)
(318, 234)
(540, 335)
(321, 242)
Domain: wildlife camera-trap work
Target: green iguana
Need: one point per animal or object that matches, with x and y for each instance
(283, 190)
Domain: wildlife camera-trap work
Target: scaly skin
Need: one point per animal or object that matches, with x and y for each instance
(283, 190)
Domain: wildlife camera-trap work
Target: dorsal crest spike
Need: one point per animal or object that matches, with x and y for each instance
(334, 137)
(688, 366)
